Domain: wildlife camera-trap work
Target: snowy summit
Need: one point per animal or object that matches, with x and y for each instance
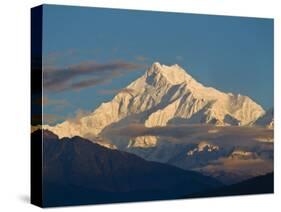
(165, 95)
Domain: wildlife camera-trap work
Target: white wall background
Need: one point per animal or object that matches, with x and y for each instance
(15, 103)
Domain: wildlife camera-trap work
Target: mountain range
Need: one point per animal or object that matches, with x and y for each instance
(167, 116)
(165, 95)
(76, 170)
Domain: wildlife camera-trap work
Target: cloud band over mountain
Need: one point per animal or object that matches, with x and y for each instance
(85, 74)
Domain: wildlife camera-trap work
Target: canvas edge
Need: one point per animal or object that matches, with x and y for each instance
(36, 187)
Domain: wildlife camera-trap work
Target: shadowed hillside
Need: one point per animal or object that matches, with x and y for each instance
(78, 171)
(258, 185)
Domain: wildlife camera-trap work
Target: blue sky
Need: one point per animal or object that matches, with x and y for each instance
(232, 54)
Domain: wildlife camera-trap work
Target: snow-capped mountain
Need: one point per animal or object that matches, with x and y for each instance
(202, 147)
(164, 95)
(242, 155)
(167, 116)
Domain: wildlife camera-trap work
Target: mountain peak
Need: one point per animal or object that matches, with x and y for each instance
(174, 73)
(156, 65)
(163, 95)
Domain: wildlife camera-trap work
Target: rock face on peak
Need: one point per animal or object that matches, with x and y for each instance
(164, 95)
(267, 120)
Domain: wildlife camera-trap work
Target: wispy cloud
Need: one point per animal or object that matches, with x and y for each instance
(241, 136)
(135, 130)
(88, 83)
(85, 74)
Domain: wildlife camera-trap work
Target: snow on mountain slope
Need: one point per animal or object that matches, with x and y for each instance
(203, 146)
(230, 153)
(242, 155)
(164, 95)
(140, 141)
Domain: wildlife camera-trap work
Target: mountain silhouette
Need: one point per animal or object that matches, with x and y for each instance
(263, 184)
(78, 171)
